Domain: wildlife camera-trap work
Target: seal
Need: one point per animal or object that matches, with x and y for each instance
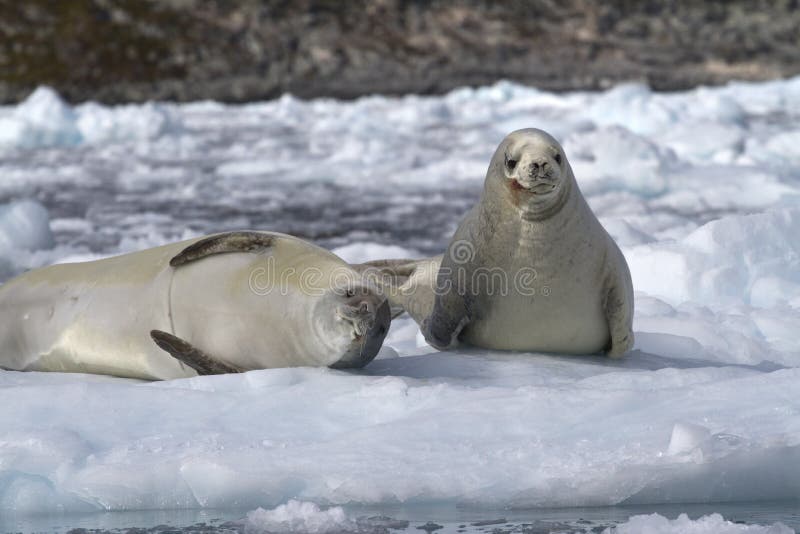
(225, 303)
(530, 268)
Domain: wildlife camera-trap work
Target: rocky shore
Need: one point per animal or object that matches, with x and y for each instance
(115, 51)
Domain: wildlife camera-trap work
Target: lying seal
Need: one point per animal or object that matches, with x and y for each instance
(225, 303)
(530, 268)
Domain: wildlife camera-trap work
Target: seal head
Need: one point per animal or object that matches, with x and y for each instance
(530, 170)
(361, 316)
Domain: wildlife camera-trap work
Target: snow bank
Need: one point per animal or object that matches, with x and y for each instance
(710, 524)
(45, 120)
(751, 259)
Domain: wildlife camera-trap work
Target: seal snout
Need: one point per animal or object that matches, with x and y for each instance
(539, 168)
(371, 318)
(360, 312)
(537, 174)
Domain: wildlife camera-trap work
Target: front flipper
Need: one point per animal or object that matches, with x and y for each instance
(441, 333)
(451, 310)
(222, 244)
(618, 307)
(190, 355)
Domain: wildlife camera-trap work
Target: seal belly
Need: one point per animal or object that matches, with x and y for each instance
(92, 317)
(533, 323)
(561, 310)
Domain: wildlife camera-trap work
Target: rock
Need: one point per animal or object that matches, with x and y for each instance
(195, 49)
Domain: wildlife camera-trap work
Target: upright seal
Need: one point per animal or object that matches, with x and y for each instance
(530, 268)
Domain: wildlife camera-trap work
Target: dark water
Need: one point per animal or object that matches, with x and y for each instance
(430, 518)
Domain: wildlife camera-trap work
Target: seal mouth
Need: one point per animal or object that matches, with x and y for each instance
(365, 346)
(536, 188)
(361, 319)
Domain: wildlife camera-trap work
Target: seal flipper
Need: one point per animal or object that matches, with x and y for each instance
(389, 276)
(246, 241)
(399, 269)
(190, 355)
(619, 315)
(618, 306)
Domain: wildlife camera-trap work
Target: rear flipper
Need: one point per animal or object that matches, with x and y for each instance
(190, 355)
(389, 276)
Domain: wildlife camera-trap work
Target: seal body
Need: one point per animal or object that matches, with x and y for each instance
(530, 268)
(239, 301)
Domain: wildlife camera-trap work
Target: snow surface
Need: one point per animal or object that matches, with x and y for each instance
(700, 189)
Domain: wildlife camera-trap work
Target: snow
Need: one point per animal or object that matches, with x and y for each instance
(700, 189)
(494, 429)
(363, 252)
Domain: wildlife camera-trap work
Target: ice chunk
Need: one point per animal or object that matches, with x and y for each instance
(298, 516)
(616, 158)
(642, 111)
(635, 106)
(780, 149)
(43, 119)
(710, 524)
(625, 233)
(706, 141)
(122, 123)
(24, 224)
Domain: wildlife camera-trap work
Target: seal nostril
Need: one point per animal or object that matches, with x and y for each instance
(364, 308)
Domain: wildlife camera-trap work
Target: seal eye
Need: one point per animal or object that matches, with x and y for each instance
(558, 158)
(511, 163)
(350, 293)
